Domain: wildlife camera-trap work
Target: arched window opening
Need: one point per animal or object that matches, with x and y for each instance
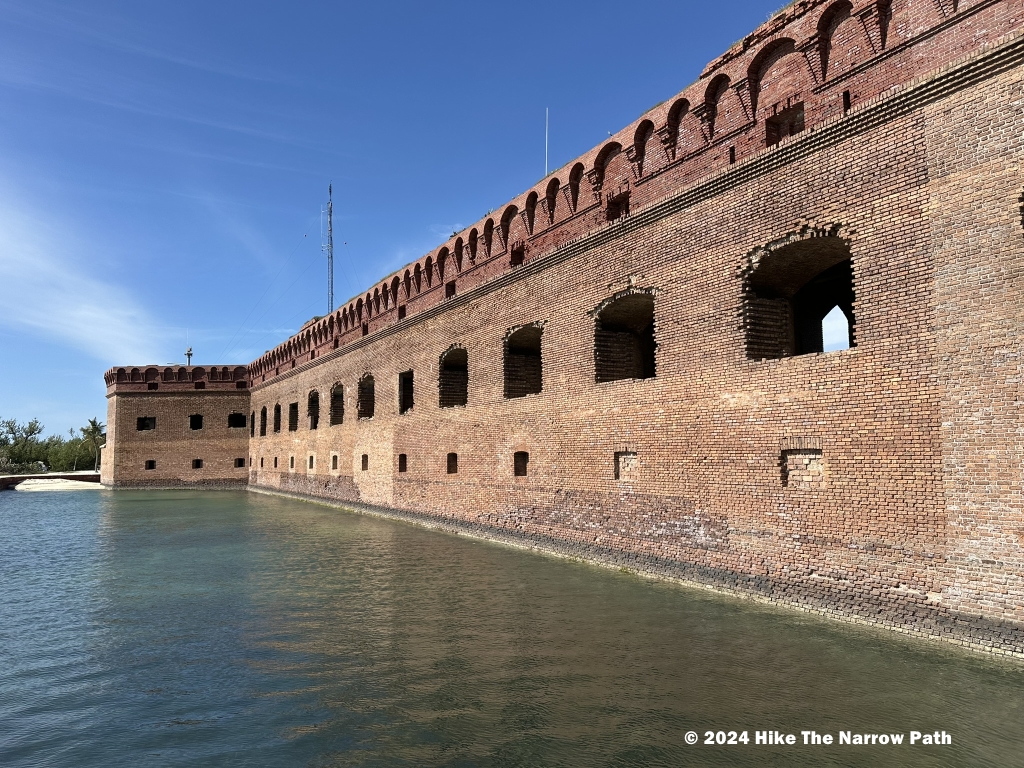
(791, 291)
(453, 378)
(417, 278)
(488, 236)
(277, 417)
(531, 211)
(442, 262)
(551, 199)
(506, 224)
(366, 397)
(263, 421)
(407, 282)
(458, 255)
(835, 330)
(671, 137)
(575, 177)
(523, 365)
(428, 271)
(376, 300)
(359, 309)
(472, 245)
(337, 405)
(639, 154)
(313, 409)
(624, 339)
(712, 97)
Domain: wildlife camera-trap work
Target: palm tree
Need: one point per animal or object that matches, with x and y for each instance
(94, 437)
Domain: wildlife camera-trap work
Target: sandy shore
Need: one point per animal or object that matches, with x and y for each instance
(45, 484)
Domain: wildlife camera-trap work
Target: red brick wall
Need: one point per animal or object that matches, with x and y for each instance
(881, 482)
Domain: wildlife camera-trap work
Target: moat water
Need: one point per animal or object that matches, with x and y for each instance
(234, 629)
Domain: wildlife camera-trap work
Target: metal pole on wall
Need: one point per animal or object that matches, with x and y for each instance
(545, 141)
(330, 248)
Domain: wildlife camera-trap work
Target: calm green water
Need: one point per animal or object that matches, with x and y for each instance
(223, 629)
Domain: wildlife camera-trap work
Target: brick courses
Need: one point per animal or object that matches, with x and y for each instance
(880, 483)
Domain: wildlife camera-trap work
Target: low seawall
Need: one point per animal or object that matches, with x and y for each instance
(974, 632)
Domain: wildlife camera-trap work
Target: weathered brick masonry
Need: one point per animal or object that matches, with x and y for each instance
(626, 364)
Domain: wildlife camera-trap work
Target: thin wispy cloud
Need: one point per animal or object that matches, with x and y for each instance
(47, 291)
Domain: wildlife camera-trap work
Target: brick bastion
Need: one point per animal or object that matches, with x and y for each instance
(767, 338)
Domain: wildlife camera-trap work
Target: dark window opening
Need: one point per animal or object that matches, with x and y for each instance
(523, 366)
(624, 339)
(520, 463)
(291, 462)
(150, 464)
(313, 409)
(200, 385)
(405, 392)
(263, 421)
(277, 418)
(786, 122)
(310, 462)
(334, 461)
(252, 424)
(618, 206)
(453, 378)
(453, 463)
(236, 420)
(241, 385)
(366, 329)
(293, 417)
(239, 463)
(401, 311)
(792, 292)
(195, 421)
(403, 463)
(732, 155)
(449, 290)
(197, 463)
(145, 423)
(261, 462)
(275, 462)
(365, 462)
(518, 253)
(337, 405)
(365, 401)
(152, 386)
(846, 102)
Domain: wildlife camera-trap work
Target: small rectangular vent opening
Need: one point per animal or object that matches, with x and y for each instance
(625, 465)
(453, 463)
(150, 464)
(145, 423)
(403, 463)
(802, 468)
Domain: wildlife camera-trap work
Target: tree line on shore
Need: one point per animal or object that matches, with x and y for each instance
(24, 450)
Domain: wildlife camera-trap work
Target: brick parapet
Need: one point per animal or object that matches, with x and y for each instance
(923, 37)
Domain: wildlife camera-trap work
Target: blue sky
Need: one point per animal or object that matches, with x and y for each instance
(163, 165)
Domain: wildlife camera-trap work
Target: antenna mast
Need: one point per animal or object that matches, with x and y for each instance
(330, 248)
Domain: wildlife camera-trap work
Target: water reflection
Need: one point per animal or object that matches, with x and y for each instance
(237, 629)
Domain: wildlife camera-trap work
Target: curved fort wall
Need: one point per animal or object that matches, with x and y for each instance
(626, 363)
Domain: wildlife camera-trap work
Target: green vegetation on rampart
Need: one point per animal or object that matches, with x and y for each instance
(23, 449)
